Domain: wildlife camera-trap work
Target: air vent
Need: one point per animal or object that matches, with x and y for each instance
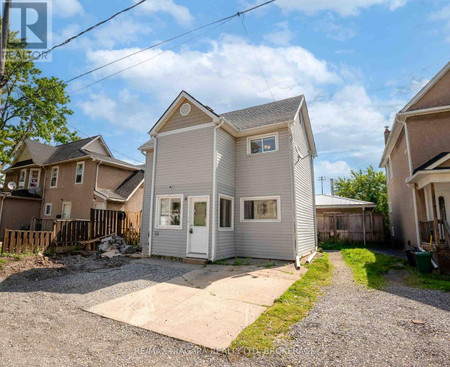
(185, 109)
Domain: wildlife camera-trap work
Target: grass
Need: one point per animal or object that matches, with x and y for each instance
(370, 267)
(237, 261)
(290, 308)
(340, 245)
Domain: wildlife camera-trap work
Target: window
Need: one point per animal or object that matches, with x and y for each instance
(54, 177)
(48, 210)
(34, 177)
(262, 144)
(169, 213)
(22, 175)
(79, 173)
(260, 209)
(226, 213)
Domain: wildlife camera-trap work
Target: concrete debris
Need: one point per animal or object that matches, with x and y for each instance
(115, 245)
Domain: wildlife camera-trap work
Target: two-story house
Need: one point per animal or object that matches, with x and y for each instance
(232, 184)
(417, 162)
(66, 181)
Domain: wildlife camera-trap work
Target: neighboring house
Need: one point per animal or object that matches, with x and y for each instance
(417, 162)
(66, 181)
(341, 218)
(234, 184)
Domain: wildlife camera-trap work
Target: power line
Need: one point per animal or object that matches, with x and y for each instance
(4, 81)
(171, 39)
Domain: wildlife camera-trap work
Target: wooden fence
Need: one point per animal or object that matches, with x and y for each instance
(69, 232)
(125, 224)
(19, 242)
(349, 227)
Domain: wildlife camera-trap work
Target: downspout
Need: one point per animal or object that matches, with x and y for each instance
(214, 199)
(150, 227)
(44, 186)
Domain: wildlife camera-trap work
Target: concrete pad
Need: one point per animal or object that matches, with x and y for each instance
(209, 306)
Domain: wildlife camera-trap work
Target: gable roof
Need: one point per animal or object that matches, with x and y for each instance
(434, 162)
(39, 152)
(265, 114)
(69, 151)
(334, 201)
(126, 189)
(111, 160)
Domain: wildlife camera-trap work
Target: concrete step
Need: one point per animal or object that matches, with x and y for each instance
(195, 261)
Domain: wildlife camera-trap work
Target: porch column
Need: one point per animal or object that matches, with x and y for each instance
(435, 217)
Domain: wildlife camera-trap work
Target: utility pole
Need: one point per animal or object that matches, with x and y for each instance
(332, 186)
(322, 179)
(4, 45)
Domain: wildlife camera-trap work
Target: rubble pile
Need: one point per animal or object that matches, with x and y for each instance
(115, 246)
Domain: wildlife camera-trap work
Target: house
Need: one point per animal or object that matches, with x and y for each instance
(232, 184)
(417, 162)
(66, 181)
(346, 219)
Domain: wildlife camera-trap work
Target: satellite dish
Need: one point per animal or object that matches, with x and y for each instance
(12, 185)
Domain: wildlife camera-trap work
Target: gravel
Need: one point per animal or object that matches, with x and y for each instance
(43, 322)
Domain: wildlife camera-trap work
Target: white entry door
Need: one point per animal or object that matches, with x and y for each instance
(198, 227)
(66, 209)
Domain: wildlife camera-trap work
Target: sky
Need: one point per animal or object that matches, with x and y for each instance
(357, 62)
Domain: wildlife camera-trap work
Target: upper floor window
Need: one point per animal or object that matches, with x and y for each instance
(79, 173)
(54, 177)
(262, 144)
(22, 175)
(260, 209)
(34, 177)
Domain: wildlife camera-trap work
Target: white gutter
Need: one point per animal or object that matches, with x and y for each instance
(150, 227)
(214, 203)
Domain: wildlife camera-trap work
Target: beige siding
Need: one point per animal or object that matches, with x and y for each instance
(400, 195)
(97, 147)
(184, 166)
(263, 175)
(178, 121)
(226, 177)
(146, 202)
(438, 95)
(303, 190)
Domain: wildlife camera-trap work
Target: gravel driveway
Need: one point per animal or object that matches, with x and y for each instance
(42, 324)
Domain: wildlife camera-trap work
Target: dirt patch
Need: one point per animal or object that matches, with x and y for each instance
(30, 266)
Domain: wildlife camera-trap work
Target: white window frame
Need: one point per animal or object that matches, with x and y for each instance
(57, 176)
(274, 197)
(31, 176)
(24, 179)
(158, 211)
(82, 173)
(226, 229)
(48, 205)
(250, 138)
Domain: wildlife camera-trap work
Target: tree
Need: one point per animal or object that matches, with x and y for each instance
(31, 106)
(367, 185)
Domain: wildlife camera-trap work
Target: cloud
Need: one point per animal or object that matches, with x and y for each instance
(181, 14)
(66, 8)
(325, 168)
(227, 75)
(443, 15)
(333, 30)
(126, 110)
(282, 35)
(342, 7)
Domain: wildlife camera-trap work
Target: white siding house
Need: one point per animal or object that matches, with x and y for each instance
(232, 184)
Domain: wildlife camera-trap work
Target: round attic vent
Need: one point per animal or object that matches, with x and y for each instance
(185, 109)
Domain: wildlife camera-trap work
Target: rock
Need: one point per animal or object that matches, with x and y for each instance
(104, 246)
(418, 322)
(111, 253)
(127, 249)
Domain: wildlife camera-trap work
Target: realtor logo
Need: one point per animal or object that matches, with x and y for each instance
(31, 21)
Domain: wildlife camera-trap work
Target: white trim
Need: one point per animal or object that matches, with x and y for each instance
(226, 229)
(100, 195)
(82, 173)
(30, 176)
(158, 209)
(439, 162)
(427, 87)
(24, 178)
(152, 195)
(45, 209)
(62, 209)
(162, 120)
(186, 129)
(57, 176)
(189, 108)
(253, 198)
(255, 137)
(188, 253)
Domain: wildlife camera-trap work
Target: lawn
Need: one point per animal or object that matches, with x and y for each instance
(290, 308)
(369, 268)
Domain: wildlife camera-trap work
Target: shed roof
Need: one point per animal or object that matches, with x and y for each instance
(334, 201)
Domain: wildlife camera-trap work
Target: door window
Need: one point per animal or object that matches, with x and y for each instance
(200, 214)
